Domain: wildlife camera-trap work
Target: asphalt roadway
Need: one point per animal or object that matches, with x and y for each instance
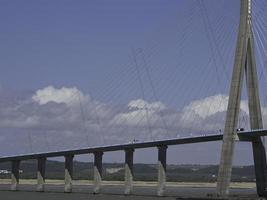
(82, 192)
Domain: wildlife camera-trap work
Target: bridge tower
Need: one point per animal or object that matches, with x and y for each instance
(244, 65)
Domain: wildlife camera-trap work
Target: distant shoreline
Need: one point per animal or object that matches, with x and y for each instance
(234, 185)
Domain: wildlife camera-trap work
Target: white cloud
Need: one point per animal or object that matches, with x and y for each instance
(211, 105)
(65, 95)
(144, 105)
(134, 118)
(208, 106)
(140, 113)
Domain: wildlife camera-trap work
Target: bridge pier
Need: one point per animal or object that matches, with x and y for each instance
(245, 62)
(260, 166)
(162, 154)
(15, 175)
(68, 173)
(40, 174)
(128, 171)
(97, 171)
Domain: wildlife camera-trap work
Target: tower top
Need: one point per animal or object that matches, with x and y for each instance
(249, 14)
(249, 7)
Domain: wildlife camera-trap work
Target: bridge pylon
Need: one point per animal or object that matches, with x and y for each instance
(244, 66)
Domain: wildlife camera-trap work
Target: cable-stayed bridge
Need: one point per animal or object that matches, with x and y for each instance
(250, 49)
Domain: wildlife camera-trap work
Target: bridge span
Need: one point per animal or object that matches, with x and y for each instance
(244, 69)
(162, 145)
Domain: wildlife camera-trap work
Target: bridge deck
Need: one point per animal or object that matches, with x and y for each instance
(243, 136)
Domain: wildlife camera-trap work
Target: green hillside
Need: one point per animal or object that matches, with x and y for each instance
(146, 172)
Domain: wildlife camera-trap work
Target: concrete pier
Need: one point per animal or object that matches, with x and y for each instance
(40, 174)
(97, 171)
(128, 171)
(255, 117)
(162, 154)
(233, 109)
(245, 61)
(68, 173)
(15, 175)
(259, 155)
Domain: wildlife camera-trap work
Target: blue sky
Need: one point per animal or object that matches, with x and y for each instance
(53, 50)
(65, 43)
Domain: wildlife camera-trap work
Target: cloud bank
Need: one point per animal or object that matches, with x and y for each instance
(59, 118)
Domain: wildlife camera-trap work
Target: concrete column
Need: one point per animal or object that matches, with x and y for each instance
(68, 173)
(97, 171)
(128, 177)
(162, 152)
(255, 116)
(259, 155)
(15, 175)
(230, 136)
(40, 174)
